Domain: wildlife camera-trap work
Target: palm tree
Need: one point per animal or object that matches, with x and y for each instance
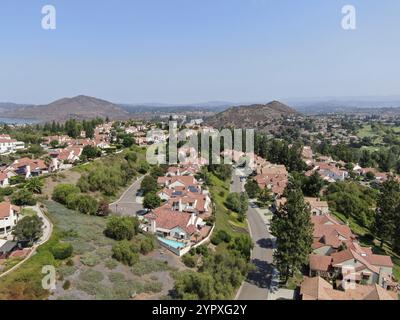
(34, 185)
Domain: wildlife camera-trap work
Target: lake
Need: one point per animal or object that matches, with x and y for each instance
(18, 121)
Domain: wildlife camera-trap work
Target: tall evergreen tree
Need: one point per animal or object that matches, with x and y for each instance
(386, 212)
(293, 229)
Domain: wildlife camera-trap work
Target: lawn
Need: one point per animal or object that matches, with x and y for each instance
(225, 219)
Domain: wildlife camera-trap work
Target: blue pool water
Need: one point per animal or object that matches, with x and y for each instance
(172, 243)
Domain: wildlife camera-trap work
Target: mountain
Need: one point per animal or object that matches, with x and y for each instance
(80, 108)
(252, 116)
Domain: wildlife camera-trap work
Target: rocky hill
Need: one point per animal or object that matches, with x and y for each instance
(255, 116)
(80, 108)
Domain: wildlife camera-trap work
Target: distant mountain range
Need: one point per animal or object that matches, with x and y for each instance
(252, 116)
(228, 113)
(80, 108)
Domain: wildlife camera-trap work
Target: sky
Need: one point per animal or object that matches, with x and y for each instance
(190, 51)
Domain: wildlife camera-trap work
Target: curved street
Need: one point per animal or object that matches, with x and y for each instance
(129, 203)
(258, 282)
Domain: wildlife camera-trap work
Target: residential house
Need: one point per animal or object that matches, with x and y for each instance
(29, 167)
(317, 206)
(317, 288)
(4, 181)
(329, 172)
(8, 145)
(178, 225)
(9, 216)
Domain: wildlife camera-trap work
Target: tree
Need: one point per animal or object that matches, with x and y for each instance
(252, 188)
(28, 229)
(34, 185)
(293, 230)
(151, 200)
(125, 252)
(62, 191)
(149, 184)
(131, 156)
(23, 197)
(128, 141)
(243, 244)
(91, 152)
(244, 204)
(54, 143)
(265, 197)
(313, 185)
(120, 228)
(233, 202)
(386, 212)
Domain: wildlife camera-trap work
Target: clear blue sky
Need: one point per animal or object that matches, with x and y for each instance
(183, 51)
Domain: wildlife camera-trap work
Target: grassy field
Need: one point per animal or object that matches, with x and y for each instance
(91, 273)
(225, 219)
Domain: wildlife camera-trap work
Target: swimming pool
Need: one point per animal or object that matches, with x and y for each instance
(172, 243)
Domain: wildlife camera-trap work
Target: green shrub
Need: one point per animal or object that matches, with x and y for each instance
(116, 277)
(189, 261)
(90, 259)
(146, 266)
(121, 228)
(111, 264)
(125, 252)
(91, 275)
(220, 236)
(147, 245)
(83, 203)
(66, 285)
(154, 286)
(62, 250)
(62, 191)
(70, 262)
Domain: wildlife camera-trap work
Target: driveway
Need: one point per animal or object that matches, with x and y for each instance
(130, 202)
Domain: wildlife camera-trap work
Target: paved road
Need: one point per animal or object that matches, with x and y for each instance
(128, 204)
(257, 284)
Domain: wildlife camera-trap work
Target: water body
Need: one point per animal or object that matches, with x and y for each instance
(18, 121)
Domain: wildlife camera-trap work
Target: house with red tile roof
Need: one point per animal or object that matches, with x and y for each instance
(4, 181)
(174, 224)
(329, 234)
(177, 182)
(329, 172)
(28, 167)
(317, 288)
(336, 251)
(318, 207)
